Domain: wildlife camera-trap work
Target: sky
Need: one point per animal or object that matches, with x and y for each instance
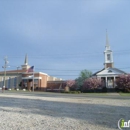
(63, 37)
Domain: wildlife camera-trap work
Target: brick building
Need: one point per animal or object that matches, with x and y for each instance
(20, 78)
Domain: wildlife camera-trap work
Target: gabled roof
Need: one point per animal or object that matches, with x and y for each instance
(119, 70)
(109, 71)
(97, 72)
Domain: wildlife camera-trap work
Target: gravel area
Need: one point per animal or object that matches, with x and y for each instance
(62, 111)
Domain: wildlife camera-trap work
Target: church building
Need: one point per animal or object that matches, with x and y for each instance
(24, 79)
(109, 73)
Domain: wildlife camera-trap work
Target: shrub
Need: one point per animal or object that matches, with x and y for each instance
(123, 83)
(92, 84)
(104, 89)
(70, 83)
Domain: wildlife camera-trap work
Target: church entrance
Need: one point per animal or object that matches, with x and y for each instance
(110, 82)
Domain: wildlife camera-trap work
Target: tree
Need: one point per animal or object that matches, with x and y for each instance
(123, 82)
(84, 74)
(92, 84)
(70, 83)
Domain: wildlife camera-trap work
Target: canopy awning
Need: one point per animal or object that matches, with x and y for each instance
(31, 77)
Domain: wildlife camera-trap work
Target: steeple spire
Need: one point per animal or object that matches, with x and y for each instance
(25, 66)
(107, 42)
(26, 60)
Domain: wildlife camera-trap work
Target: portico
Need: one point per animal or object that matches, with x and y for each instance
(27, 82)
(109, 76)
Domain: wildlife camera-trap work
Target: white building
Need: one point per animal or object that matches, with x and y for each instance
(109, 73)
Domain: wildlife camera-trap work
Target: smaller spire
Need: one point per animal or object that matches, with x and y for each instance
(25, 66)
(107, 41)
(26, 60)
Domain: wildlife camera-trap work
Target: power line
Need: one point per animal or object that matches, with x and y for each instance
(69, 69)
(76, 54)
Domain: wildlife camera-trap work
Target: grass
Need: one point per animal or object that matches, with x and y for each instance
(96, 94)
(124, 94)
(41, 92)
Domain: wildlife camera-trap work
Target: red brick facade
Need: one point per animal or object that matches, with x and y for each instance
(40, 81)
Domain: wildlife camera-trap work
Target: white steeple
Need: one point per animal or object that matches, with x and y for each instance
(26, 60)
(108, 54)
(107, 42)
(25, 66)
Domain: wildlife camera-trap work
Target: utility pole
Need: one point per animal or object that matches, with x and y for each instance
(5, 66)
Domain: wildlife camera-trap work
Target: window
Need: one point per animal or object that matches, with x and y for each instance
(36, 82)
(108, 57)
(25, 82)
(109, 71)
(2, 81)
(15, 85)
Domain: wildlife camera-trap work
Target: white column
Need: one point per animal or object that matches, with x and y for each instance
(114, 81)
(106, 81)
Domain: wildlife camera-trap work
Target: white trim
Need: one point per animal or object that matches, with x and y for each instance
(28, 72)
(107, 75)
(43, 73)
(34, 73)
(31, 77)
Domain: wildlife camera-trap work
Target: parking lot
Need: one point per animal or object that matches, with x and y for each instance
(55, 111)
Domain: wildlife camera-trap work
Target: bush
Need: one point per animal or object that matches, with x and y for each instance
(123, 83)
(92, 85)
(104, 89)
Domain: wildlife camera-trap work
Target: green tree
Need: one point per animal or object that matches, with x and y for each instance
(84, 74)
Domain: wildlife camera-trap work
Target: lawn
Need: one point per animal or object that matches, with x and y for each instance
(124, 94)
